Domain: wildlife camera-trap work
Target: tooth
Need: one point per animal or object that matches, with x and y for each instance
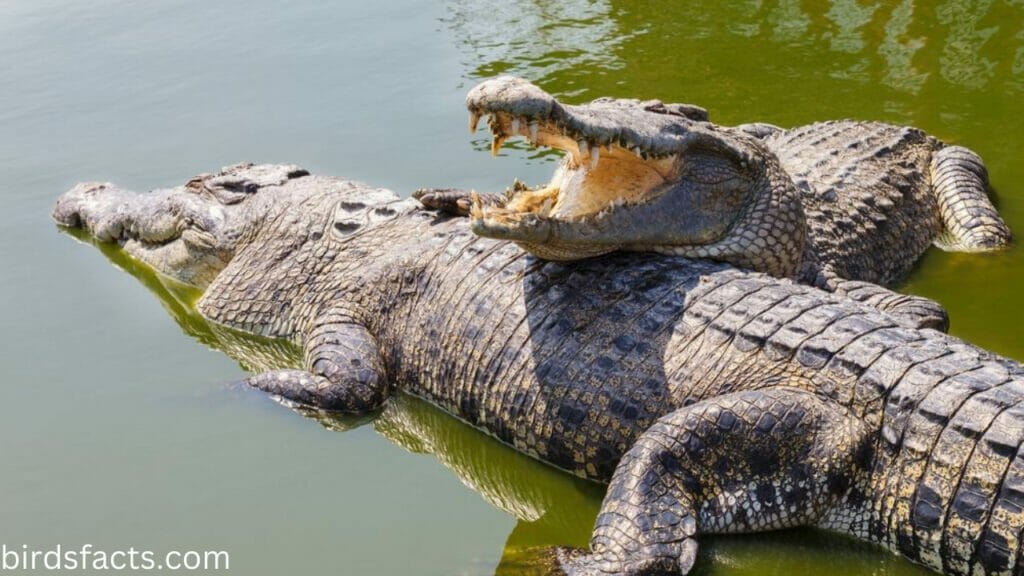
(535, 128)
(496, 144)
(515, 125)
(595, 155)
(476, 210)
(583, 147)
(474, 121)
(637, 151)
(545, 208)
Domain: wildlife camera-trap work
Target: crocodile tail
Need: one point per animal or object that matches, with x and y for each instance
(970, 221)
(954, 498)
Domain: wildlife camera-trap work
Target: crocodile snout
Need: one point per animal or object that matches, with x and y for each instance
(98, 207)
(68, 211)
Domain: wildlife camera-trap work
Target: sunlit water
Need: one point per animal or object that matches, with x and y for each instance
(118, 423)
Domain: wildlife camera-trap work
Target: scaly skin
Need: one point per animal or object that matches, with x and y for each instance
(824, 204)
(870, 189)
(711, 399)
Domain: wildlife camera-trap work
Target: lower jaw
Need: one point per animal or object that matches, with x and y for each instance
(561, 252)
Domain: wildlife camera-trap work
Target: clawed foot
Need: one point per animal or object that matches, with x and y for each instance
(297, 386)
(674, 559)
(445, 200)
(455, 201)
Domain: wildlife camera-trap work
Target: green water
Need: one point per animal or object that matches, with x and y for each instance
(118, 423)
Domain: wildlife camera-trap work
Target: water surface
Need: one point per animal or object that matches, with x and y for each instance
(117, 423)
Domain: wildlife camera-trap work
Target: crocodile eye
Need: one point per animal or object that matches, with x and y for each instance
(251, 187)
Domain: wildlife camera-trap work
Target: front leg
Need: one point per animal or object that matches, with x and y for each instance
(456, 201)
(344, 371)
(908, 310)
(743, 462)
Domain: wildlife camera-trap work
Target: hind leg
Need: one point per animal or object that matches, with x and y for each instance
(742, 462)
(970, 221)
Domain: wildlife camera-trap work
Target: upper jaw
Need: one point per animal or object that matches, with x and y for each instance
(176, 232)
(619, 152)
(649, 129)
(112, 214)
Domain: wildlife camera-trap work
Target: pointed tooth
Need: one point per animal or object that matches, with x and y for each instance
(476, 208)
(637, 151)
(496, 143)
(534, 129)
(583, 147)
(545, 208)
(515, 126)
(474, 121)
(595, 156)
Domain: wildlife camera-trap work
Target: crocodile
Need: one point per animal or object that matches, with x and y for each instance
(819, 203)
(710, 398)
(548, 506)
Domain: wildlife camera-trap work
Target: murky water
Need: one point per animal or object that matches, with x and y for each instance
(117, 423)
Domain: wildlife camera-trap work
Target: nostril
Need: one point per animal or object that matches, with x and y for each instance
(67, 216)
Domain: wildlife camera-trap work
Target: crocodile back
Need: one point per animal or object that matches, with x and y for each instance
(866, 192)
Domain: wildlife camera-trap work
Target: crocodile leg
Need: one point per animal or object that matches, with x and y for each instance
(910, 311)
(343, 372)
(743, 462)
(970, 221)
(455, 201)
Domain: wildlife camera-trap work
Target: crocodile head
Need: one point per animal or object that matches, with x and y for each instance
(190, 233)
(638, 175)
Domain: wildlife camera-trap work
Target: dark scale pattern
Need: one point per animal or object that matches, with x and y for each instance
(712, 399)
(820, 203)
(574, 390)
(865, 192)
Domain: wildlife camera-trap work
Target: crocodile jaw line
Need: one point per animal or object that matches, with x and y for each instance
(592, 181)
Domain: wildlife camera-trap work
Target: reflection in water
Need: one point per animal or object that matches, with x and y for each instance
(557, 43)
(537, 39)
(787, 21)
(898, 50)
(1018, 60)
(552, 507)
(849, 18)
(962, 62)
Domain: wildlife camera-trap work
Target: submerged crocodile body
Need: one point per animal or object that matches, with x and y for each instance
(711, 399)
(822, 203)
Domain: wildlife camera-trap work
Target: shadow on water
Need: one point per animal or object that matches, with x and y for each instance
(551, 507)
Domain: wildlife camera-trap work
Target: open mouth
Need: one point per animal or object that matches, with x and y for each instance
(617, 153)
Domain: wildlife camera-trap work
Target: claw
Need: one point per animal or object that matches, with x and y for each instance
(474, 121)
(496, 144)
(476, 208)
